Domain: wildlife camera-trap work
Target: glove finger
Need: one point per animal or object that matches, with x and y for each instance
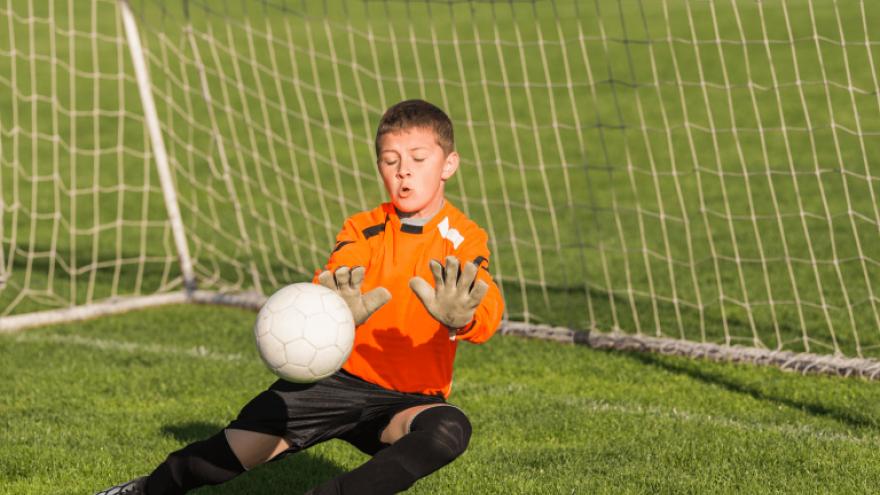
(468, 274)
(423, 290)
(357, 277)
(452, 271)
(437, 270)
(326, 279)
(343, 275)
(375, 299)
(478, 293)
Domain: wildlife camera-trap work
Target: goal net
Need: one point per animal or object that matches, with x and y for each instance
(703, 173)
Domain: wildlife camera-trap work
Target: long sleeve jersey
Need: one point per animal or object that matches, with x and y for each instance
(401, 346)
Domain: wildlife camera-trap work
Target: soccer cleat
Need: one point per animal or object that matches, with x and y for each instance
(133, 487)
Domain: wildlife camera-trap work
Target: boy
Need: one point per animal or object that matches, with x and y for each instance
(389, 400)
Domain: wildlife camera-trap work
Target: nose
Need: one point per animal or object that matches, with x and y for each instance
(403, 169)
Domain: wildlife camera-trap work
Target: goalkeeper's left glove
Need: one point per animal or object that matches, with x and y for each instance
(456, 294)
(347, 283)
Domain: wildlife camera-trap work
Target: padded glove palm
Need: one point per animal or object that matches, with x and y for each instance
(456, 294)
(347, 283)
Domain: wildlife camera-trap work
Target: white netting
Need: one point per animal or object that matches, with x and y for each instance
(706, 171)
(81, 216)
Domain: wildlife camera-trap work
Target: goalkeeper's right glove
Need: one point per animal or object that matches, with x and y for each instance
(347, 283)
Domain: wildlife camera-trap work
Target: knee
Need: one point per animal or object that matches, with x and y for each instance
(436, 437)
(448, 430)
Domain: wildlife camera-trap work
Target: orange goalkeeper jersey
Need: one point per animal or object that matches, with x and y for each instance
(401, 346)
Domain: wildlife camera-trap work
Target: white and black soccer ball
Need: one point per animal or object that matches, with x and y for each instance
(304, 332)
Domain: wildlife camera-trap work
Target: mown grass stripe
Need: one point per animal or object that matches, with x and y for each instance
(583, 404)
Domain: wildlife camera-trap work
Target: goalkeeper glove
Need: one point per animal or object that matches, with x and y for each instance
(456, 294)
(347, 283)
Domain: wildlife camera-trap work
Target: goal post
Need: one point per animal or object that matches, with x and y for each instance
(699, 177)
(157, 143)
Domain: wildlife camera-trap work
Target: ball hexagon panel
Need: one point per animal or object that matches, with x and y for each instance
(310, 303)
(288, 324)
(272, 351)
(335, 305)
(326, 361)
(321, 331)
(299, 352)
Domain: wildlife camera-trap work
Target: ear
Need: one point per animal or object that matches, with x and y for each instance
(450, 166)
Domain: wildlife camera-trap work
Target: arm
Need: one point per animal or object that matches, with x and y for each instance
(352, 250)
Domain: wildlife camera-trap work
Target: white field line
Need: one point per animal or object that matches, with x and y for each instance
(584, 404)
(133, 347)
(575, 403)
(789, 430)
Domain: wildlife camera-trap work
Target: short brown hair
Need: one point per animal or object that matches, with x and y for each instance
(411, 114)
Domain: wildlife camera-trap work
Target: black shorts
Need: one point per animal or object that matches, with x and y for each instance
(340, 406)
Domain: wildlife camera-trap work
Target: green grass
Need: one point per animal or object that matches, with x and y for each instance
(567, 164)
(87, 405)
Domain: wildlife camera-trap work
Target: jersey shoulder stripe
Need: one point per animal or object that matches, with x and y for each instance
(340, 245)
(374, 229)
(369, 220)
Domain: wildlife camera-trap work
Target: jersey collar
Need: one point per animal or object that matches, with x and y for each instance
(432, 224)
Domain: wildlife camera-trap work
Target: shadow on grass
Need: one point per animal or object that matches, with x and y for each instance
(293, 474)
(847, 417)
(192, 431)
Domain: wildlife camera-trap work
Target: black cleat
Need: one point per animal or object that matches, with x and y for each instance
(133, 487)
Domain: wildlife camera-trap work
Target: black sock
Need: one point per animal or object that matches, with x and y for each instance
(207, 462)
(437, 436)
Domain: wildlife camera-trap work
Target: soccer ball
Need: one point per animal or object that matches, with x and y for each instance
(304, 332)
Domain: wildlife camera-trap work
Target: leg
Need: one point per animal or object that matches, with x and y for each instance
(437, 435)
(211, 461)
(253, 448)
(285, 418)
(207, 462)
(401, 423)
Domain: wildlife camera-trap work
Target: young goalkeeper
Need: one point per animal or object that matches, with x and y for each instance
(389, 399)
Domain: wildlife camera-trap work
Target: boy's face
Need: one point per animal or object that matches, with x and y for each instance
(414, 169)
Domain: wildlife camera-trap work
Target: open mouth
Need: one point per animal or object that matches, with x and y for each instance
(404, 191)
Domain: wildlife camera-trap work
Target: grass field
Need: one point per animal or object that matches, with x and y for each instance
(690, 169)
(87, 405)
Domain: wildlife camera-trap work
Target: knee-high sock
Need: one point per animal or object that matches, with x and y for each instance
(207, 462)
(437, 436)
